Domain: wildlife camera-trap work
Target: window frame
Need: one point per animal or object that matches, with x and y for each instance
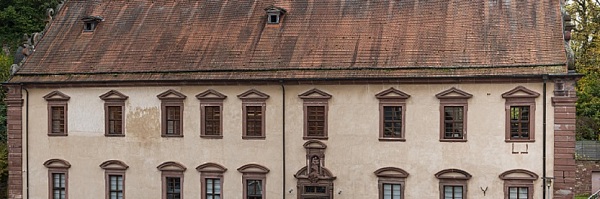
(453, 177)
(113, 98)
(210, 171)
(518, 178)
(171, 98)
(210, 98)
(253, 98)
(254, 172)
(315, 98)
(58, 99)
(520, 96)
(391, 175)
(171, 170)
(57, 166)
(392, 98)
(453, 97)
(114, 168)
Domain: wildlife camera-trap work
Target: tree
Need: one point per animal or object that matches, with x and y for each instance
(585, 42)
(22, 16)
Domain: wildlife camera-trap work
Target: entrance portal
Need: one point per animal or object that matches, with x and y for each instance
(314, 180)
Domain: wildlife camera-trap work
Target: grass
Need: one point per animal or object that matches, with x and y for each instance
(581, 197)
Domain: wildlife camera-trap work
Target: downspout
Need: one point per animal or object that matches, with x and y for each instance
(545, 78)
(26, 138)
(283, 137)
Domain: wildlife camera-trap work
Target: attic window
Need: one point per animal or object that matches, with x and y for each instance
(274, 14)
(91, 22)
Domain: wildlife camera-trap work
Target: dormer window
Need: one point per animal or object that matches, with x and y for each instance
(90, 23)
(274, 14)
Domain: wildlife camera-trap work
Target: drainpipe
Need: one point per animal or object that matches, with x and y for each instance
(545, 78)
(26, 138)
(283, 136)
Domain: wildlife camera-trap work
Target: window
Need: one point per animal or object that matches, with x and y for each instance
(253, 179)
(392, 108)
(274, 14)
(114, 172)
(391, 182)
(172, 113)
(58, 178)
(114, 108)
(453, 183)
(211, 180)
(518, 184)
(453, 115)
(172, 180)
(253, 109)
(211, 114)
(315, 113)
(520, 114)
(57, 113)
(90, 23)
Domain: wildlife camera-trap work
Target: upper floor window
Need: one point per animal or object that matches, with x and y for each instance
(391, 182)
(57, 113)
(211, 179)
(114, 175)
(518, 184)
(520, 114)
(254, 180)
(316, 105)
(211, 113)
(392, 111)
(453, 183)
(172, 180)
(253, 109)
(114, 108)
(274, 14)
(453, 115)
(58, 178)
(171, 113)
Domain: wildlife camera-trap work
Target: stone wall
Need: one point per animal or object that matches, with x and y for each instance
(583, 175)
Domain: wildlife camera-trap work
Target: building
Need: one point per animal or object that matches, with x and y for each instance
(295, 99)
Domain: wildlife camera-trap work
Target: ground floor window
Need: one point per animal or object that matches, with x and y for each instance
(392, 191)
(518, 193)
(254, 189)
(453, 192)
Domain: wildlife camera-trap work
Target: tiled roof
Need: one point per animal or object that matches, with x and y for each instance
(170, 39)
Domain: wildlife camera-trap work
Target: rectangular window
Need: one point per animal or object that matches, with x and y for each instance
(212, 120)
(173, 188)
(59, 188)
(173, 120)
(519, 122)
(254, 117)
(115, 186)
(58, 119)
(316, 121)
(392, 121)
(453, 122)
(213, 188)
(391, 191)
(518, 193)
(453, 192)
(315, 189)
(254, 189)
(115, 120)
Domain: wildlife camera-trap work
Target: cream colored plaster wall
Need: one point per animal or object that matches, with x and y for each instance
(353, 153)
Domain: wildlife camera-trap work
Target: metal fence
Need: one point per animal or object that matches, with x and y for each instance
(587, 150)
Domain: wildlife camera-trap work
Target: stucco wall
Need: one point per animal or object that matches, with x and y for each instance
(353, 153)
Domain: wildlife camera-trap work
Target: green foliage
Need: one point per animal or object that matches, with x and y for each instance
(22, 16)
(586, 45)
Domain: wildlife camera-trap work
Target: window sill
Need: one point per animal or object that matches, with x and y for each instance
(114, 135)
(253, 137)
(57, 134)
(383, 139)
(315, 138)
(171, 136)
(509, 141)
(212, 136)
(453, 140)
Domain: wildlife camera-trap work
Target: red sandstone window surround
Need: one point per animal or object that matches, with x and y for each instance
(453, 115)
(392, 182)
(392, 114)
(172, 180)
(316, 107)
(211, 114)
(254, 114)
(211, 180)
(453, 183)
(114, 113)
(518, 184)
(114, 175)
(57, 113)
(171, 113)
(520, 114)
(58, 178)
(254, 181)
